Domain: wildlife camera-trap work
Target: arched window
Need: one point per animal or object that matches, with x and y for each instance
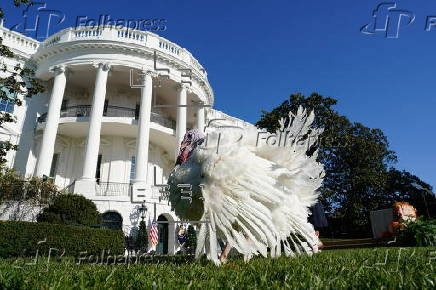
(112, 220)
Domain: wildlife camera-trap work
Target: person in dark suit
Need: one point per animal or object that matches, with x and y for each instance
(318, 220)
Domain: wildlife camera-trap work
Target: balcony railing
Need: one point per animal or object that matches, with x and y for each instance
(18, 41)
(115, 111)
(159, 119)
(112, 189)
(111, 111)
(118, 189)
(126, 35)
(123, 189)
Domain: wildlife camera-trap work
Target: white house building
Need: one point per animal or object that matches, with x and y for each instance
(117, 104)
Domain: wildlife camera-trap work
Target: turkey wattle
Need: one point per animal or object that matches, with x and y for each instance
(255, 193)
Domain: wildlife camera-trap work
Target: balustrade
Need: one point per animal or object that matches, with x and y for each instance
(111, 111)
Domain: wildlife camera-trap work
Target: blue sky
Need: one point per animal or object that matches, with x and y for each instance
(259, 52)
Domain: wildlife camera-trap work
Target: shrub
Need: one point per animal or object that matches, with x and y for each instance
(191, 240)
(14, 188)
(142, 238)
(21, 239)
(11, 185)
(420, 233)
(19, 197)
(44, 190)
(71, 209)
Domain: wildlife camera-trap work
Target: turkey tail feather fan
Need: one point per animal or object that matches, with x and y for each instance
(255, 193)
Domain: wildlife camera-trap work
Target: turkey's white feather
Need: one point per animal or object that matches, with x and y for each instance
(254, 194)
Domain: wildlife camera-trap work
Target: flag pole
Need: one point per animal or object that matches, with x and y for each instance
(155, 211)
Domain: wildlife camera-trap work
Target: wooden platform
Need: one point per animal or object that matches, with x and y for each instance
(330, 244)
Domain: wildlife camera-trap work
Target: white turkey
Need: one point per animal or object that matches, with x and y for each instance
(254, 188)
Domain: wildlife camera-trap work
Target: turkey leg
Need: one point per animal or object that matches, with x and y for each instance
(224, 254)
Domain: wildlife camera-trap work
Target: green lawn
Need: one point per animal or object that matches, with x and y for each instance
(355, 268)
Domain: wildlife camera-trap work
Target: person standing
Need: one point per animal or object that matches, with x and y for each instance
(318, 219)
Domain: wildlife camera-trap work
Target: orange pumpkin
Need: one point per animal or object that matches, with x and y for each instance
(404, 212)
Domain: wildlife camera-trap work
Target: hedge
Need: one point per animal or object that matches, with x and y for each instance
(71, 209)
(23, 239)
(421, 233)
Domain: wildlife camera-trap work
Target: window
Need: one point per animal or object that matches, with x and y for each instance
(54, 165)
(137, 108)
(112, 220)
(133, 167)
(64, 105)
(106, 104)
(97, 170)
(7, 105)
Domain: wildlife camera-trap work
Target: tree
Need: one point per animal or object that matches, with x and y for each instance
(71, 209)
(191, 240)
(356, 159)
(401, 186)
(142, 237)
(19, 197)
(14, 83)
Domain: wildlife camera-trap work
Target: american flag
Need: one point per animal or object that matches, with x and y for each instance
(153, 234)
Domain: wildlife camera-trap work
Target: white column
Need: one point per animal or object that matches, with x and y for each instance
(200, 117)
(93, 144)
(143, 138)
(51, 125)
(181, 115)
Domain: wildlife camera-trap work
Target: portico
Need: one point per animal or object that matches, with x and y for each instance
(118, 105)
(142, 119)
(97, 133)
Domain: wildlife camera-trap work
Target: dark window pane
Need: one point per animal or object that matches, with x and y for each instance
(54, 165)
(97, 171)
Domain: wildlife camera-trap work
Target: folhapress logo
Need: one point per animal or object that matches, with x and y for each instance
(387, 19)
(39, 21)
